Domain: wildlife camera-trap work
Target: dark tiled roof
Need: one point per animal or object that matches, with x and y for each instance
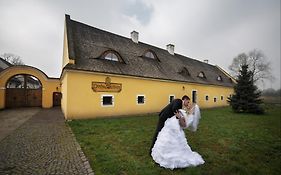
(86, 44)
(3, 63)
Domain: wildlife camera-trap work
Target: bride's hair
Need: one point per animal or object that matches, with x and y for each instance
(185, 97)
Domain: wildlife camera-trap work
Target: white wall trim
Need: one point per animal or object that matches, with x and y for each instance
(107, 95)
(144, 99)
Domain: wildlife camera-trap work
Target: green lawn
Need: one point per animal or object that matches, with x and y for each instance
(229, 143)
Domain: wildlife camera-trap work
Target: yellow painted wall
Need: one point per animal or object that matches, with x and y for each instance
(64, 95)
(48, 85)
(80, 101)
(66, 59)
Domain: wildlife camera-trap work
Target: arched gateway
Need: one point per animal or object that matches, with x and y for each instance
(26, 86)
(23, 91)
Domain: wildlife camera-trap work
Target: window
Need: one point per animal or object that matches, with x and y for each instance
(184, 71)
(32, 82)
(16, 82)
(221, 97)
(215, 99)
(149, 54)
(24, 81)
(201, 75)
(171, 98)
(140, 99)
(207, 98)
(111, 56)
(194, 96)
(107, 100)
(219, 78)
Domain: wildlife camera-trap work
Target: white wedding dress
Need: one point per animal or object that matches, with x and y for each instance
(171, 149)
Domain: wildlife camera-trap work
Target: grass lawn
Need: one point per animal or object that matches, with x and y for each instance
(229, 143)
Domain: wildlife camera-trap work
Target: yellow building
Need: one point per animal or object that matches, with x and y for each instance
(26, 86)
(105, 74)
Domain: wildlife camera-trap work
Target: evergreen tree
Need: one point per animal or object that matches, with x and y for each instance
(246, 97)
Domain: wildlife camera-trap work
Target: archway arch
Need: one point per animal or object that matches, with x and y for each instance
(45, 85)
(23, 90)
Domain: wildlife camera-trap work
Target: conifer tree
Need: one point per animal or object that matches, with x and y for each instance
(246, 97)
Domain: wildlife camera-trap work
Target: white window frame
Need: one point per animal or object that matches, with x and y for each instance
(144, 99)
(107, 95)
(171, 96)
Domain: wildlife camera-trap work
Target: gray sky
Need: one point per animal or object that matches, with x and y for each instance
(217, 30)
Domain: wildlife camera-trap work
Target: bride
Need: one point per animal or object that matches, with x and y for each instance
(171, 149)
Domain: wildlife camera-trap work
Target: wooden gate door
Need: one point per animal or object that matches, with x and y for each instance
(15, 97)
(23, 91)
(33, 97)
(57, 98)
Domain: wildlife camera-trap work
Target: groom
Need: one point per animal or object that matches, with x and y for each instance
(169, 111)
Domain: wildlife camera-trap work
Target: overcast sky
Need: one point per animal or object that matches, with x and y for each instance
(217, 30)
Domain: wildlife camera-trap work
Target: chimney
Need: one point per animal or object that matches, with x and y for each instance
(135, 36)
(206, 61)
(170, 48)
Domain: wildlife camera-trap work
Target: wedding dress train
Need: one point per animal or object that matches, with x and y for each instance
(171, 149)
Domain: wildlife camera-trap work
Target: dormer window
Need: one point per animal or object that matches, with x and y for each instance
(112, 56)
(201, 75)
(150, 54)
(219, 78)
(184, 72)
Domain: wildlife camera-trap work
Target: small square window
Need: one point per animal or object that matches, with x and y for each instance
(107, 100)
(221, 97)
(207, 98)
(140, 99)
(215, 99)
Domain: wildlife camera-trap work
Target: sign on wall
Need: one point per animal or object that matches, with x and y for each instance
(106, 86)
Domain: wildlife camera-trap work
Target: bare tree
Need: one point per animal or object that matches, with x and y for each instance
(258, 64)
(12, 58)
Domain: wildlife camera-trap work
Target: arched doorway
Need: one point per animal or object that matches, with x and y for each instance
(23, 91)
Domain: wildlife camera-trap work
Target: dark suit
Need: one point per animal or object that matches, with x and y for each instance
(166, 113)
